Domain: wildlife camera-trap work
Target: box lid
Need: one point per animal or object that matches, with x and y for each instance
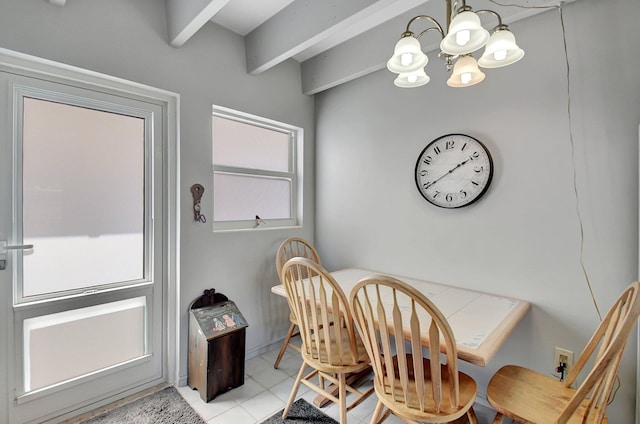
(219, 319)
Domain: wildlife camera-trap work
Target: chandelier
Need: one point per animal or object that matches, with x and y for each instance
(464, 36)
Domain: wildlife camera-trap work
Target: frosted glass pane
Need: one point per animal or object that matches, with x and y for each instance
(240, 197)
(70, 344)
(248, 146)
(83, 197)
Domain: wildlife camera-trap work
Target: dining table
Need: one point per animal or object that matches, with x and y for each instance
(481, 322)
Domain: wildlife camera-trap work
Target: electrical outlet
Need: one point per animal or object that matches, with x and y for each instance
(562, 355)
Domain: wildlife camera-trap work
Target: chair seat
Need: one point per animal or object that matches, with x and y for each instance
(531, 397)
(341, 359)
(411, 407)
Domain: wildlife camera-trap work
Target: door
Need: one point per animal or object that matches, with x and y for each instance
(81, 245)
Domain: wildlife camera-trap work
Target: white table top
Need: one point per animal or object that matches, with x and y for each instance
(481, 322)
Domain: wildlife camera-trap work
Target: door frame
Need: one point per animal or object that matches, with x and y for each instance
(170, 102)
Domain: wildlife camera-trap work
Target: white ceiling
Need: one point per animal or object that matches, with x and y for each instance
(334, 40)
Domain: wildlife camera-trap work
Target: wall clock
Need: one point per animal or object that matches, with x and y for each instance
(454, 171)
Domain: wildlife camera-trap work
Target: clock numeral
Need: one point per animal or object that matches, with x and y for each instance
(474, 155)
(436, 150)
(436, 194)
(464, 146)
(423, 172)
(427, 160)
(449, 197)
(478, 169)
(427, 185)
(474, 183)
(463, 194)
(449, 144)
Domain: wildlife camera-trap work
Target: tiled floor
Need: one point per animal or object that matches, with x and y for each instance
(266, 390)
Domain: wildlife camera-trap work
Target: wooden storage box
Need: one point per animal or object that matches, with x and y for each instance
(216, 345)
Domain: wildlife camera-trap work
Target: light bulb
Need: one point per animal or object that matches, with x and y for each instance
(465, 77)
(406, 59)
(463, 37)
(500, 54)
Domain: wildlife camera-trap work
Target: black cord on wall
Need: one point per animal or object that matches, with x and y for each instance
(573, 161)
(571, 140)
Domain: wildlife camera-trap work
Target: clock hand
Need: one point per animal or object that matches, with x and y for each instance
(450, 171)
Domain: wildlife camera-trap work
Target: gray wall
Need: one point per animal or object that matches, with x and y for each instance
(522, 239)
(127, 39)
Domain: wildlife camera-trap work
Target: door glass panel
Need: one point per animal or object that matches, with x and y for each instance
(59, 347)
(83, 197)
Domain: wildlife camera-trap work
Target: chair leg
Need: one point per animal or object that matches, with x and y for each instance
(471, 415)
(342, 397)
(376, 414)
(294, 390)
(292, 327)
(498, 418)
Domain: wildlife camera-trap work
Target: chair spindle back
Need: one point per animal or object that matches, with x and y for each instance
(315, 297)
(295, 247)
(611, 336)
(381, 306)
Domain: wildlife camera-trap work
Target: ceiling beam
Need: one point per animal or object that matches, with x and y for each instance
(305, 23)
(338, 65)
(186, 17)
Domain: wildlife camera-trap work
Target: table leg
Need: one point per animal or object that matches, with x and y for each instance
(321, 401)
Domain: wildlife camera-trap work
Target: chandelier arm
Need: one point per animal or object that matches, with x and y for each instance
(500, 24)
(439, 30)
(430, 19)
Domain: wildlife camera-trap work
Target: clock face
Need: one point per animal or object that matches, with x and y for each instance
(454, 171)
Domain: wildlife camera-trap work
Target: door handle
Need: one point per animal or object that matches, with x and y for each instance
(4, 248)
(17, 247)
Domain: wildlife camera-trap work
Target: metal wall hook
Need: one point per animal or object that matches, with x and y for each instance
(197, 190)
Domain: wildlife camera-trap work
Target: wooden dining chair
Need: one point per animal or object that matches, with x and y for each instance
(527, 396)
(411, 383)
(333, 351)
(291, 248)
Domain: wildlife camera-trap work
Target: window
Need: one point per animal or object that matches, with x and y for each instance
(256, 171)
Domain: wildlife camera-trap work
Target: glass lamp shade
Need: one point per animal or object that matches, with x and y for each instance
(407, 56)
(412, 79)
(501, 50)
(465, 35)
(465, 73)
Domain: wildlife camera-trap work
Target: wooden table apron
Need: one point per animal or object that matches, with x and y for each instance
(481, 322)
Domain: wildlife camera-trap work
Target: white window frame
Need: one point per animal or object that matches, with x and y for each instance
(294, 174)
